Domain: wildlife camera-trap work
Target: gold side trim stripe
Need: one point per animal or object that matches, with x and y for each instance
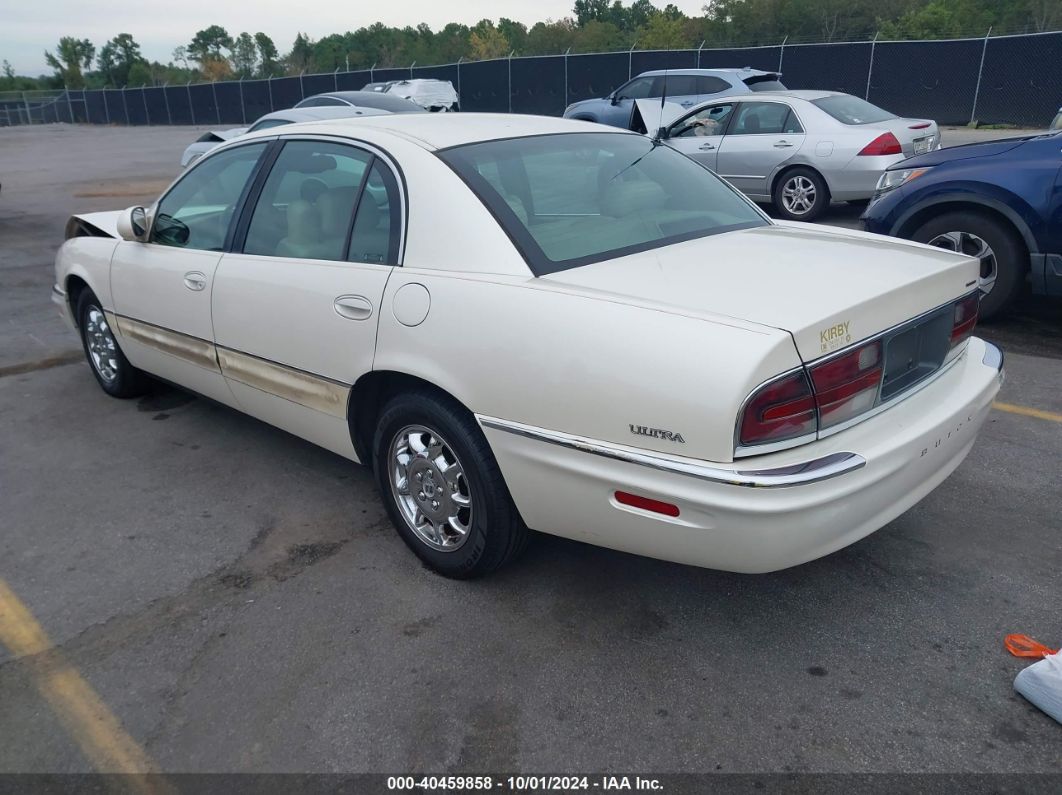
(191, 349)
(312, 391)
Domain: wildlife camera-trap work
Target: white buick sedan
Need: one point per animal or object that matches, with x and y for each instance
(523, 322)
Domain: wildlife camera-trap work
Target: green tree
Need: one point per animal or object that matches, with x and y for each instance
(141, 74)
(208, 43)
(589, 10)
(300, 55)
(244, 55)
(268, 57)
(116, 58)
(514, 32)
(551, 37)
(72, 57)
(486, 41)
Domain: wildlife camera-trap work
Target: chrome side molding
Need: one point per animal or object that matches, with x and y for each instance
(814, 471)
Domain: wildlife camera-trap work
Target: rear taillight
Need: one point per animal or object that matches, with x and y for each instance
(884, 144)
(965, 318)
(782, 409)
(847, 385)
(838, 389)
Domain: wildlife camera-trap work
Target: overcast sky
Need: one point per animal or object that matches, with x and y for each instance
(28, 28)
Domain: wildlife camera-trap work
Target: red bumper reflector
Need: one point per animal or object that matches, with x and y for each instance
(646, 504)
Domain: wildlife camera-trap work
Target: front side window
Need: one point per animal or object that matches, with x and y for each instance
(758, 118)
(325, 201)
(707, 121)
(572, 199)
(639, 88)
(851, 110)
(197, 211)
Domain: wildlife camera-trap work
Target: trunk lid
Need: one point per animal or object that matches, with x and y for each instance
(916, 136)
(829, 288)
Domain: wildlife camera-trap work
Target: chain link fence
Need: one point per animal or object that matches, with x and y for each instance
(1012, 80)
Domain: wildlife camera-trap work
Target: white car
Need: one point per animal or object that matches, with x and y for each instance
(523, 322)
(208, 140)
(794, 149)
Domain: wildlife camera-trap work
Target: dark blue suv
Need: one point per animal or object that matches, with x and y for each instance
(1000, 201)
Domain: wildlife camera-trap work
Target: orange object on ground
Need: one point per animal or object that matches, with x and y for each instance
(1024, 646)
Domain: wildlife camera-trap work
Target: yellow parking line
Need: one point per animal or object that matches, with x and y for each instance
(92, 725)
(1025, 411)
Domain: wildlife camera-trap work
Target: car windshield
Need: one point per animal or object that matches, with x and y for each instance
(572, 199)
(852, 110)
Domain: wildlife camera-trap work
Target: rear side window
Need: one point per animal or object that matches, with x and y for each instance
(676, 86)
(759, 118)
(852, 110)
(307, 204)
(707, 84)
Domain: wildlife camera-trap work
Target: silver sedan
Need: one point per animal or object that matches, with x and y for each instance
(796, 149)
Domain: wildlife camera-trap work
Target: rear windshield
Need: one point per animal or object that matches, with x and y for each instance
(765, 83)
(852, 110)
(576, 198)
(265, 124)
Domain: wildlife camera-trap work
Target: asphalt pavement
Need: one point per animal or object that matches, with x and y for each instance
(231, 598)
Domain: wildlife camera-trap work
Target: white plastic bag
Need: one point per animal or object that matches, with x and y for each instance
(1041, 684)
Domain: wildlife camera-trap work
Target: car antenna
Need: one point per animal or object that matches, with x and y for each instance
(660, 131)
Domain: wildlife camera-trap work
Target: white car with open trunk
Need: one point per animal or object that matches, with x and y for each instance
(522, 322)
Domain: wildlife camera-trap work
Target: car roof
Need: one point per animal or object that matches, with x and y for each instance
(746, 71)
(323, 112)
(442, 130)
(371, 99)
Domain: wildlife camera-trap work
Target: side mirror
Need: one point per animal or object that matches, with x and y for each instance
(614, 98)
(133, 224)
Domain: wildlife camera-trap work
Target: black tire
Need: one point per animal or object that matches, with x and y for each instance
(127, 381)
(1011, 256)
(496, 533)
(821, 199)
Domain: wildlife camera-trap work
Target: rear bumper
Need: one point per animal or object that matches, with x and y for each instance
(769, 513)
(859, 177)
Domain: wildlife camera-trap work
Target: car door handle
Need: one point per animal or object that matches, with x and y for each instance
(707, 146)
(353, 307)
(782, 145)
(195, 280)
(686, 104)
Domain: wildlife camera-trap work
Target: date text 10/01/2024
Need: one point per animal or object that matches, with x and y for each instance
(523, 783)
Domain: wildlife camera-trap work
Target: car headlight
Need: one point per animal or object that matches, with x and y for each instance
(897, 177)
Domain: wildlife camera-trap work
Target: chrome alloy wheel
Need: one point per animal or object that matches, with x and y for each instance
(798, 195)
(430, 487)
(972, 246)
(103, 351)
